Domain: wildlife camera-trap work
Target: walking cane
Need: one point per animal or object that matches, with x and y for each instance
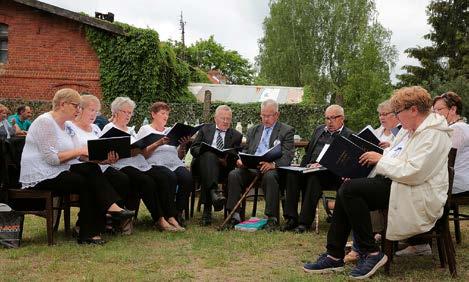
(228, 217)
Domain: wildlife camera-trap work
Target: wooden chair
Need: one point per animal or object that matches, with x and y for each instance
(456, 216)
(440, 231)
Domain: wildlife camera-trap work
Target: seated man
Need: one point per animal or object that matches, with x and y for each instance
(411, 181)
(7, 130)
(259, 139)
(312, 184)
(22, 118)
(208, 166)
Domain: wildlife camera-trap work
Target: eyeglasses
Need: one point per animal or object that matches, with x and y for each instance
(267, 116)
(398, 112)
(437, 110)
(75, 105)
(384, 114)
(129, 113)
(331, 118)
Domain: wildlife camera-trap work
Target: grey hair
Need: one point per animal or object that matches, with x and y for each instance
(270, 102)
(87, 99)
(222, 108)
(119, 102)
(336, 108)
(384, 105)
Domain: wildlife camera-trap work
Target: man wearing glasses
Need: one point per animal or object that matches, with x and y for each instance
(260, 138)
(312, 184)
(210, 168)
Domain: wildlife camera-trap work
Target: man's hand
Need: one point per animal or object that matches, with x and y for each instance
(239, 163)
(369, 158)
(313, 165)
(266, 166)
(384, 144)
(223, 161)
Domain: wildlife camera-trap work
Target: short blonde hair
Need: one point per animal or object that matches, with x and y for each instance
(65, 95)
(87, 99)
(119, 102)
(407, 97)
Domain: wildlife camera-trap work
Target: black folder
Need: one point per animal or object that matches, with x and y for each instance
(98, 149)
(180, 130)
(302, 169)
(144, 142)
(252, 161)
(204, 147)
(114, 132)
(342, 159)
(364, 144)
(367, 134)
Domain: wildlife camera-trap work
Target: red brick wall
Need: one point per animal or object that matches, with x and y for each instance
(45, 53)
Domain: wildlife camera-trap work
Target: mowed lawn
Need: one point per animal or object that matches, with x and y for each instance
(201, 253)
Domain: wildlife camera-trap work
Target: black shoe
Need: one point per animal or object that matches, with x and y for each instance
(206, 217)
(218, 200)
(181, 220)
(301, 228)
(122, 214)
(272, 224)
(289, 225)
(229, 225)
(91, 241)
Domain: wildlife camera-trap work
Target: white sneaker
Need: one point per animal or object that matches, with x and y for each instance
(417, 250)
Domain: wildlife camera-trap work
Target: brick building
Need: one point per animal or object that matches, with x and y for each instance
(43, 48)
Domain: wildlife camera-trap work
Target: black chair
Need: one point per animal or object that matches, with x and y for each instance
(440, 231)
(456, 216)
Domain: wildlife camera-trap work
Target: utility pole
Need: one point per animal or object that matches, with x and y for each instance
(182, 24)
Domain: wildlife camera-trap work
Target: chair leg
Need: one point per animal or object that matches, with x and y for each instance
(457, 226)
(450, 252)
(66, 207)
(193, 203)
(254, 206)
(389, 251)
(50, 221)
(441, 251)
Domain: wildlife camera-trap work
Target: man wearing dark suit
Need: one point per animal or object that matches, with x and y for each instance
(259, 139)
(312, 184)
(208, 166)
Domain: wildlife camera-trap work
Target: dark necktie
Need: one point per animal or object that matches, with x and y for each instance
(219, 140)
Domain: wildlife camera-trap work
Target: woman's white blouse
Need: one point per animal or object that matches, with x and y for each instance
(40, 160)
(164, 155)
(138, 161)
(81, 137)
(460, 140)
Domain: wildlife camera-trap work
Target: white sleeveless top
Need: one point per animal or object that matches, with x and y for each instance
(81, 137)
(40, 161)
(138, 161)
(460, 140)
(164, 155)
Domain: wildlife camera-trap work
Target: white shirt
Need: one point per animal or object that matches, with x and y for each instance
(138, 161)
(164, 155)
(460, 141)
(40, 160)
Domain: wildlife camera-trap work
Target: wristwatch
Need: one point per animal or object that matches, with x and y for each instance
(275, 165)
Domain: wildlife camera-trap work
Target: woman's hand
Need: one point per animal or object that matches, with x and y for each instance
(313, 165)
(161, 141)
(369, 158)
(184, 140)
(384, 144)
(82, 152)
(112, 157)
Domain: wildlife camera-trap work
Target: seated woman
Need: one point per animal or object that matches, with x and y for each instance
(168, 156)
(6, 130)
(157, 185)
(85, 130)
(411, 181)
(449, 105)
(50, 161)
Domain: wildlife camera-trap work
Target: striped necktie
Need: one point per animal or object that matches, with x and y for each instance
(219, 140)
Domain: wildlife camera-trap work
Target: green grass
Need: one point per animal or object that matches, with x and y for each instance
(201, 253)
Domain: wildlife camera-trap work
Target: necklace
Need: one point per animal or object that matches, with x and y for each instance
(459, 119)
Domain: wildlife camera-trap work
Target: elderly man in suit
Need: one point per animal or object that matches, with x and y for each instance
(312, 184)
(208, 166)
(259, 139)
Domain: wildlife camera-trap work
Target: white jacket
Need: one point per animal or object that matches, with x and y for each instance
(419, 177)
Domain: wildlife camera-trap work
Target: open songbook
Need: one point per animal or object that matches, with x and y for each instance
(204, 147)
(252, 161)
(98, 149)
(302, 169)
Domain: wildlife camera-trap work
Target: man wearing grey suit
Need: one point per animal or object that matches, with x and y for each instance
(259, 139)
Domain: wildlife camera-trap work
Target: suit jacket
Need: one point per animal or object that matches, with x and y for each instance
(314, 139)
(207, 133)
(281, 132)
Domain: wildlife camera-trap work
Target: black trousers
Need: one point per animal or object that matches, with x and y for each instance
(240, 178)
(355, 199)
(121, 184)
(156, 187)
(184, 184)
(96, 195)
(311, 185)
(210, 172)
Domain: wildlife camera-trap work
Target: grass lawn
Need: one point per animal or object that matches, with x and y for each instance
(201, 253)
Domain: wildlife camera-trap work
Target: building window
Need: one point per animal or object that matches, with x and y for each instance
(3, 43)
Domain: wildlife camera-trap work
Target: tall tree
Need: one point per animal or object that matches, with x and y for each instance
(447, 59)
(207, 54)
(322, 45)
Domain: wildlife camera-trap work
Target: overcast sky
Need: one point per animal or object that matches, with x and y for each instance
(237, 24)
